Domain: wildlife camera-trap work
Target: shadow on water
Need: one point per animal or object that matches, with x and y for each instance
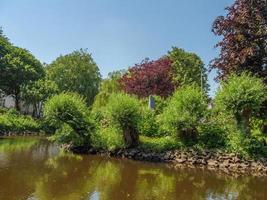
(35, 169)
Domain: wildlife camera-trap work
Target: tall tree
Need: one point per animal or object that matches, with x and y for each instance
(36, 93)
(187, 69)
(149, 78)
(161, 77)
(108, 86)
(18, 67)
(5, 45)
(244, 43)
(76, 72)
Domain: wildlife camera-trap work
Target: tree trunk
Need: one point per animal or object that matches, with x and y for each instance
(17, 101)
(243, 121)
(189, 135)
(131, 137)
(34, 110)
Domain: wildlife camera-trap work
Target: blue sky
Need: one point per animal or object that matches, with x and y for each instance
(118, 33)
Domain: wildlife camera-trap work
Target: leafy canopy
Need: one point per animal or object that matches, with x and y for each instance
(187, 69)
(149, 78)
(36, 93)
(107, 87)
(18, 67)
(243, 96)
(241, 91)
(161, 77)
(76, 72)
(39, 91)
(244, 39)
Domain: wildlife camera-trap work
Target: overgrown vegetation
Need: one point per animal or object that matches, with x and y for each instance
(68, 113)
(12, 122)
(184, 113)
(83, 111)
(123, 111)
(243, 97)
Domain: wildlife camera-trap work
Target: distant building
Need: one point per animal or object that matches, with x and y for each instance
(9, 102)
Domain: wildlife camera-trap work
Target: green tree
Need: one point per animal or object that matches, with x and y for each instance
(5, 45)
(68, 113)
(124, 113)
(184, 113)
(76, 72)
(187, 69)
(36, 93)
(243, 45)
(243, 96)
(18, 67)
(107, 87)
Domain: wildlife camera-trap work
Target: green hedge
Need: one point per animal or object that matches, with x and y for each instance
(15, 123)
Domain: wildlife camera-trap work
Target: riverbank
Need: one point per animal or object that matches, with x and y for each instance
(229, 163)
(215, 160)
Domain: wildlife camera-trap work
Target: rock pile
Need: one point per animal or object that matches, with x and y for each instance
(213, 160)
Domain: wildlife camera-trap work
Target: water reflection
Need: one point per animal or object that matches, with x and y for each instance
(33, 168)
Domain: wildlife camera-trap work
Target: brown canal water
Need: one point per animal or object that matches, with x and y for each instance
(34, 169)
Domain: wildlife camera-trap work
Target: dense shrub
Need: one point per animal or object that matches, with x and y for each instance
(108, 138)
(148, 125)
(212, 135)
(184, 113)
(124, 112)
(66, 135)
(9, 111)
(160, 104)
(3, 110)
(15, 123)
(246, 146)
(45, 126)
(242, 96)
(69, 109)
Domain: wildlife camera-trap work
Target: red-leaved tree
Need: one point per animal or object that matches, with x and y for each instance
(149, 78)
(244, 43)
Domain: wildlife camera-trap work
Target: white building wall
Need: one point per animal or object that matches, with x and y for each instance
(9, 102)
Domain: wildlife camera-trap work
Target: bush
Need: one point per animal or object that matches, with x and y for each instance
(15, 123)
(9, 111)
(247, 146)
(3, 110)
(160, 104)
(185, 111)
(242, 96)
(159, 144)
(124, 113)
(148, 125)
(108, 138)
(212, 135)
(46, 127)
(66, 135)
(69, 109)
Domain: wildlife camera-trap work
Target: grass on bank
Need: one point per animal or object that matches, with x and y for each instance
(159, 144)
(13, 122)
